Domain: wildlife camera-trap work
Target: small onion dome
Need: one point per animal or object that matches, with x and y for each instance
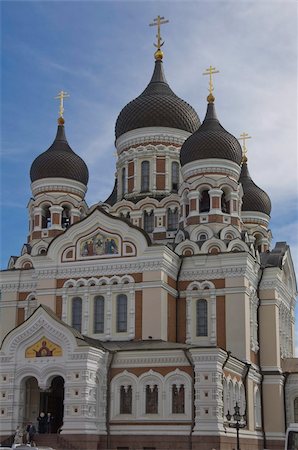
(157, 106)
(211, 140)
(59, 161)
(254, 198)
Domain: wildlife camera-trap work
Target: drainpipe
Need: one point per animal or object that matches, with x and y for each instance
(286, 375)
(222, 377)
(188, 357)
(262, 376)
(109, 399)
(244, 381)
(178, 293)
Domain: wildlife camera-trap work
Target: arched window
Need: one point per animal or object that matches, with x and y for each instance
(202, 318)
(149, 221)
(178, 399)
(125, 400)
(123, 180)
(145, 176)
(151, 399)
(76, 313)
(99, 310)
(121, 324)
(224, 204)
(204, 202)
(202, 237)
(46, 217)
(172, 219)
(296, 409)
(65, 217)
(175, 176)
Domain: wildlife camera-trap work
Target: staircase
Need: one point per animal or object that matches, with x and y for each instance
(55, 441)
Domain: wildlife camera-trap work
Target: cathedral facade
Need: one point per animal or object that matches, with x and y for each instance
(143, 321)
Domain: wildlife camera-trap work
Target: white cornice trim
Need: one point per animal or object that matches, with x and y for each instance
(59, 185)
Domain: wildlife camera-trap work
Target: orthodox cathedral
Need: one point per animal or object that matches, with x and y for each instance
(161, 317)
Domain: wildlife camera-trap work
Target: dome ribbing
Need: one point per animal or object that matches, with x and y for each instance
(157, 106)
(211, 140)
(59, 161)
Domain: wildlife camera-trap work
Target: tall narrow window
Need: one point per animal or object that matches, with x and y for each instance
(172, 219)
(175, 177)
(46, 217)
(76, 313)
(224, 204)
(145, 176)
(123, 180)
(204, 202)
(151, 399)
(65, 217)
(125, 400)
(149, 221)
(202, 318)
(178, 399)
(121, 313)
(99, 309)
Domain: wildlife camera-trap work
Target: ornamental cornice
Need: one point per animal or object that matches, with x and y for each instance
(19, 286)
(149, 361)
(149, 135)
(213, 273)
(58, 185)
(107, 269)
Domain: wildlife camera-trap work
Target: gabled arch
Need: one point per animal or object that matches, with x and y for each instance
(211, 243)
(195, 233)
(187, 244)
(237, 244)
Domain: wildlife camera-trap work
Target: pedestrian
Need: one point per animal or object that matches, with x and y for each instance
(49, 422)
(31, 432)
(42, 423)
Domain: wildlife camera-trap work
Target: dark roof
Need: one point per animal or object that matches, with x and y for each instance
(211, 140)
(112, 199)
(59, 161)
(254, 198)
(157, 106)
(274, 258)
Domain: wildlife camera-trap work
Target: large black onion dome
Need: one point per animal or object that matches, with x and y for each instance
(59, 161)
(254, 198)
(157, 106)
(211, 140)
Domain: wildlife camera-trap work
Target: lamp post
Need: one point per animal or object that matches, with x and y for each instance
(237, 417)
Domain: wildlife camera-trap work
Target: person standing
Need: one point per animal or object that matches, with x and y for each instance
(31, 432)
(18, 437)
(42, 423)
(49, 421)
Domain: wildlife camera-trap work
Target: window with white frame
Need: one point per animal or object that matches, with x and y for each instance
(175, 176)
(98, 314)
(201, 318)
(126, 399)
(178, 399)
(76, 313)
(151, 399)
(145, 176)
(123, 181)
(121, 313)
(172, 219)
(149, 221)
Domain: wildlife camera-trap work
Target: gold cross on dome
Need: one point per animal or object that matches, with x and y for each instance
(243, 138)
(210, 71)
(157, 22)
(62, 95)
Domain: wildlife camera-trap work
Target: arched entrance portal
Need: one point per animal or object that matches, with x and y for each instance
(48, 401)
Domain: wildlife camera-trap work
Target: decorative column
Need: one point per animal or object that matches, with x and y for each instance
(215, 201)
(75, 215)
(37, 219)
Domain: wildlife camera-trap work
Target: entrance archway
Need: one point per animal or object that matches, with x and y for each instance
(52, 401)
(48, 401)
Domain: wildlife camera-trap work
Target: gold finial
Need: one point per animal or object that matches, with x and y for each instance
(62, 95)
(210, 71)
(243, 138)
(157, 22)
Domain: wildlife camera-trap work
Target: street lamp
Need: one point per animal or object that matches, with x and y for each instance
(237, 417)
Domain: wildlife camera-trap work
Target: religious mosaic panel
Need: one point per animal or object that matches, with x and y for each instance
(43, 348)
(99, 244)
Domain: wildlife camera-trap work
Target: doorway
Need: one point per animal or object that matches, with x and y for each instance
(47, 401)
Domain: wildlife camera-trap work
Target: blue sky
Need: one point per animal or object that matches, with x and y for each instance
(101, 52)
